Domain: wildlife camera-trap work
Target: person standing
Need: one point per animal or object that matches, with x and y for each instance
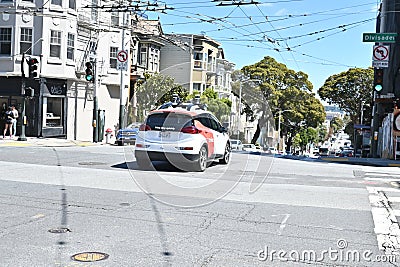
(15, 115)
(9, 122)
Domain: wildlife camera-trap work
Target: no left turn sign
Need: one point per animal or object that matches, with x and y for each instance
(381, 52)
(122, 56)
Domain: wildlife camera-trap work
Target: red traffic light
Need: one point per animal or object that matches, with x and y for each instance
(33, 61)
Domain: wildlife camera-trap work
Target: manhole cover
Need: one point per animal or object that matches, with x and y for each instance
(91, 163)
(90, 256)
(60, 230)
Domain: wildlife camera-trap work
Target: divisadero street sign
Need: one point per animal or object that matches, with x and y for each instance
(380, 37)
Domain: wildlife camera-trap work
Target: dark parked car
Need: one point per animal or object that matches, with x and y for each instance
(346, 153)
(128, 134)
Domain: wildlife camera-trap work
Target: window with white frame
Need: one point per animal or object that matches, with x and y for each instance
(56, 2)
(72, 4)
(25, 45)
(198, 60)
(71, 46)
(114, 18)
(94, 10)
(55, 44)
(5, 41)
(143, 56)
(156, 63)
(113, 57)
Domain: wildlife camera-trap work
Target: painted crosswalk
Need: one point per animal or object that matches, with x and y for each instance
(385, 207)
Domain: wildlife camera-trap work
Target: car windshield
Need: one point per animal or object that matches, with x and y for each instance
(168, 121)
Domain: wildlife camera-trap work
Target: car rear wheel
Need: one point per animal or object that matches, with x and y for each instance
(201, 163)
(120, 143)
(227, 155)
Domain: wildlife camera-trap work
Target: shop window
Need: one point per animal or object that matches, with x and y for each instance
(53, 112)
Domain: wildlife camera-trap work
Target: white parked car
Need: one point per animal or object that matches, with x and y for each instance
(272, 150)
(249, 147)
(236, 144)
(186, 136)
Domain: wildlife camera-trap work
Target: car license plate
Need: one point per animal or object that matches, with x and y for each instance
(164, 134)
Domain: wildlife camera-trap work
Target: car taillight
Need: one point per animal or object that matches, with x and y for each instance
(144, 127)
(190, 130)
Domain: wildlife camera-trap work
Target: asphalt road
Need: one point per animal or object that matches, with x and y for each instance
(231, 215)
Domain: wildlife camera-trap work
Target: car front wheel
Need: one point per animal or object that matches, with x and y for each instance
(227, 155)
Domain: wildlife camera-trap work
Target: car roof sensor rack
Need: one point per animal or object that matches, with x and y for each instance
(189, 106)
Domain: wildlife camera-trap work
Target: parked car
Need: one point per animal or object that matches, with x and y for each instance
(236, 144)
(272, 150)
(249, 147)
(187, 136)
(346, 153)
(127, 135)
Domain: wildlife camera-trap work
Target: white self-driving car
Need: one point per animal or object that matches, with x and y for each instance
(185, 135)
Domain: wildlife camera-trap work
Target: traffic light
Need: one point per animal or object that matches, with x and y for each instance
(378, 81)
(30, 92)
(89, 76)
(33, 67)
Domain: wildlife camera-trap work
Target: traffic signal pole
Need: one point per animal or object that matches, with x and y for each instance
(95, 107)
(22, 136)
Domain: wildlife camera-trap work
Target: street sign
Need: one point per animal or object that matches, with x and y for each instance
(122, 65)
(379, 37)
(380, 53)
(380, 64)
(122, 55)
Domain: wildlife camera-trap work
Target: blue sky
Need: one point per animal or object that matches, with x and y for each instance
(320, 38)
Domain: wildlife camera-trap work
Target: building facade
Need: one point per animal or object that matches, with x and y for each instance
(191, 60)
(64, 36)
(384, 136)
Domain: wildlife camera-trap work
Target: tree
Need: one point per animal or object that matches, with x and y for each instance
(221, 108)
(156, 90)
(352, 91)
(336, 124)
(280, 88)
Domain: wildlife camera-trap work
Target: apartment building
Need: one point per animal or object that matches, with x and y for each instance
(64, 36)
(192, 60)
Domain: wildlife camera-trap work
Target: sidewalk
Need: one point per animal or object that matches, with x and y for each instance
(45, 142)
(377, 162)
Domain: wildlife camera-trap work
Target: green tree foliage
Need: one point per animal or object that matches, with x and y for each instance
(280, 88)
(336, 124)
(221, 108)
(351, 90)
(156, 90)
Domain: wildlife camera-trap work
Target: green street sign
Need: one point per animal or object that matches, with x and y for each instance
(379, 37)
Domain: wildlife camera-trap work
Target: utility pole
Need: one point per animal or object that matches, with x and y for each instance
(121, 89)
(22, 136)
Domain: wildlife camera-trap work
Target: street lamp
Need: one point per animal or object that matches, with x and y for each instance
(279, 125)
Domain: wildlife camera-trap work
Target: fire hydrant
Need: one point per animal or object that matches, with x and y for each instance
(108, 135)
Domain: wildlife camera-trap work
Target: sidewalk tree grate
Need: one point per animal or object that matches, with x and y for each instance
(89, 256)
(60, 230)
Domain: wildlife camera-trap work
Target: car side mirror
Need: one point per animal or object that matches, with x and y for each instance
(222, 129)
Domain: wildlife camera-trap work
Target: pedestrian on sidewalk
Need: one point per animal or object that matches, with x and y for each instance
(9, 122)
(15, 115)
